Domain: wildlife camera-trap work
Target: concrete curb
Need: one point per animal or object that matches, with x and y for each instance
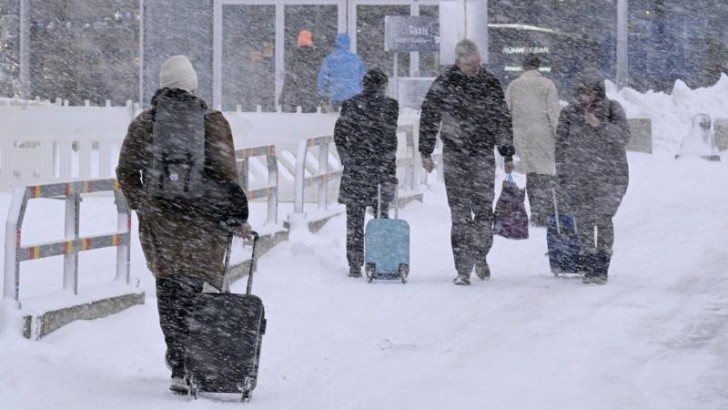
(39, 325)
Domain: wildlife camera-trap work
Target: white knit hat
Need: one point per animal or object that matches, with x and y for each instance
(177, 72)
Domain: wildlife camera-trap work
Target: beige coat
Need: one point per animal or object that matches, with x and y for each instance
(534, 104)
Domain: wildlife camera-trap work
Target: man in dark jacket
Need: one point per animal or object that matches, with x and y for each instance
(467, 106)
(366, 140)
(592, 169)
(300, 88)
(184, 243)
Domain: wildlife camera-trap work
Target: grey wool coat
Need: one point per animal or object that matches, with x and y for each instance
(591, 162)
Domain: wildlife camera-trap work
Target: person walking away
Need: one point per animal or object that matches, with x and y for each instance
(534, 104)
(592, 169)
(341, 73)
(300, 86)
(466, 105)
(177, 171)
(365, 135)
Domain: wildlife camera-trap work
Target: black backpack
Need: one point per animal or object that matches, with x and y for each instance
(177, 170)
(177, 179)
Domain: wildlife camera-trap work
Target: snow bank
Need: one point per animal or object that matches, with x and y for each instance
(672, 114)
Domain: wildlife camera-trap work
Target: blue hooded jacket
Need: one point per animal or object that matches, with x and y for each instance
(341, 73)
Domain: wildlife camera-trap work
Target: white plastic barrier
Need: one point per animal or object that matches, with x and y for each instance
(72, 244)
(255, 129)
(720, 127)
(47, 144)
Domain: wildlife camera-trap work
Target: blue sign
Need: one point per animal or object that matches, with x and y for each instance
(406, 33)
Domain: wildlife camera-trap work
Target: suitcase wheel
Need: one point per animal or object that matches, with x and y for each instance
(370, 269)
(403, 272)
(192, 387)
(247, 389)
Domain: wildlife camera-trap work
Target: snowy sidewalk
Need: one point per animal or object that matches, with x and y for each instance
(653, 338)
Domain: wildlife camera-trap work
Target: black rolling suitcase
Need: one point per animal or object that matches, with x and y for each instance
(562, 241)
(224, 340)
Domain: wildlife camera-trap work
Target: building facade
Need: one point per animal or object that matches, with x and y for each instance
(101, 50)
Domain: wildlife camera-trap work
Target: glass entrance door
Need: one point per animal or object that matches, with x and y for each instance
(255, 39)
(322, 21)
(248, 57)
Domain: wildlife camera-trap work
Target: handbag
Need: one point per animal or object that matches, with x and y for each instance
(510, 218)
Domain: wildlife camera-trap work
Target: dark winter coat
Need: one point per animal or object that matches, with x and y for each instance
(591, 163)
(366, 140)
(300, 87)
(470, 114)
(186, 240)
(341, 73)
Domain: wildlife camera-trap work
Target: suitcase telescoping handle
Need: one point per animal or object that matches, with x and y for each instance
(556, 211)
(252, 263)
(225, 287)
(379, 201)
(556, 214)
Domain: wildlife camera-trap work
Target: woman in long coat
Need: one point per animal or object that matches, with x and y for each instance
(592, 169)
(366, 140)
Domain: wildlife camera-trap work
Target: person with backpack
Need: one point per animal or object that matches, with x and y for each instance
(177, 171)
(341, 73)
(365, 135)
(592, 170)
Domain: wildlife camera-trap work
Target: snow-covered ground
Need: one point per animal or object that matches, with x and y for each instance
(655, 337)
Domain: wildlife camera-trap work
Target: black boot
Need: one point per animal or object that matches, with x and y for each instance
(587, 264)
(355, 271)
(601, 266)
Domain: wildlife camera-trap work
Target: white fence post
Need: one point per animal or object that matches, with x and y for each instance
(323, 158)
(12, 243)
(70, 259)
(123, 250)
(300, 177)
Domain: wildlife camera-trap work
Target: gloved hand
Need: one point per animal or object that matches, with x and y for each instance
(244, 231)
(428, 164)
(508, 166)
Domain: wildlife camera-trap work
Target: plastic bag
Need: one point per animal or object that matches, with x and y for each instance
(510, 217)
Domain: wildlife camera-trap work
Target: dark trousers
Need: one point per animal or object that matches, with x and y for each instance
(469, 184)
(539, 190)
(174, 300)
(355, 232)
(596, 233)
(596, 237)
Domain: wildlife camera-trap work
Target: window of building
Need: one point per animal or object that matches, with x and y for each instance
(370, 38)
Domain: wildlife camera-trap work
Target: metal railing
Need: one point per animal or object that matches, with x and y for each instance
(72, 244)
(327, 170)
(410, 160)
(322, 174)
(270, 189)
